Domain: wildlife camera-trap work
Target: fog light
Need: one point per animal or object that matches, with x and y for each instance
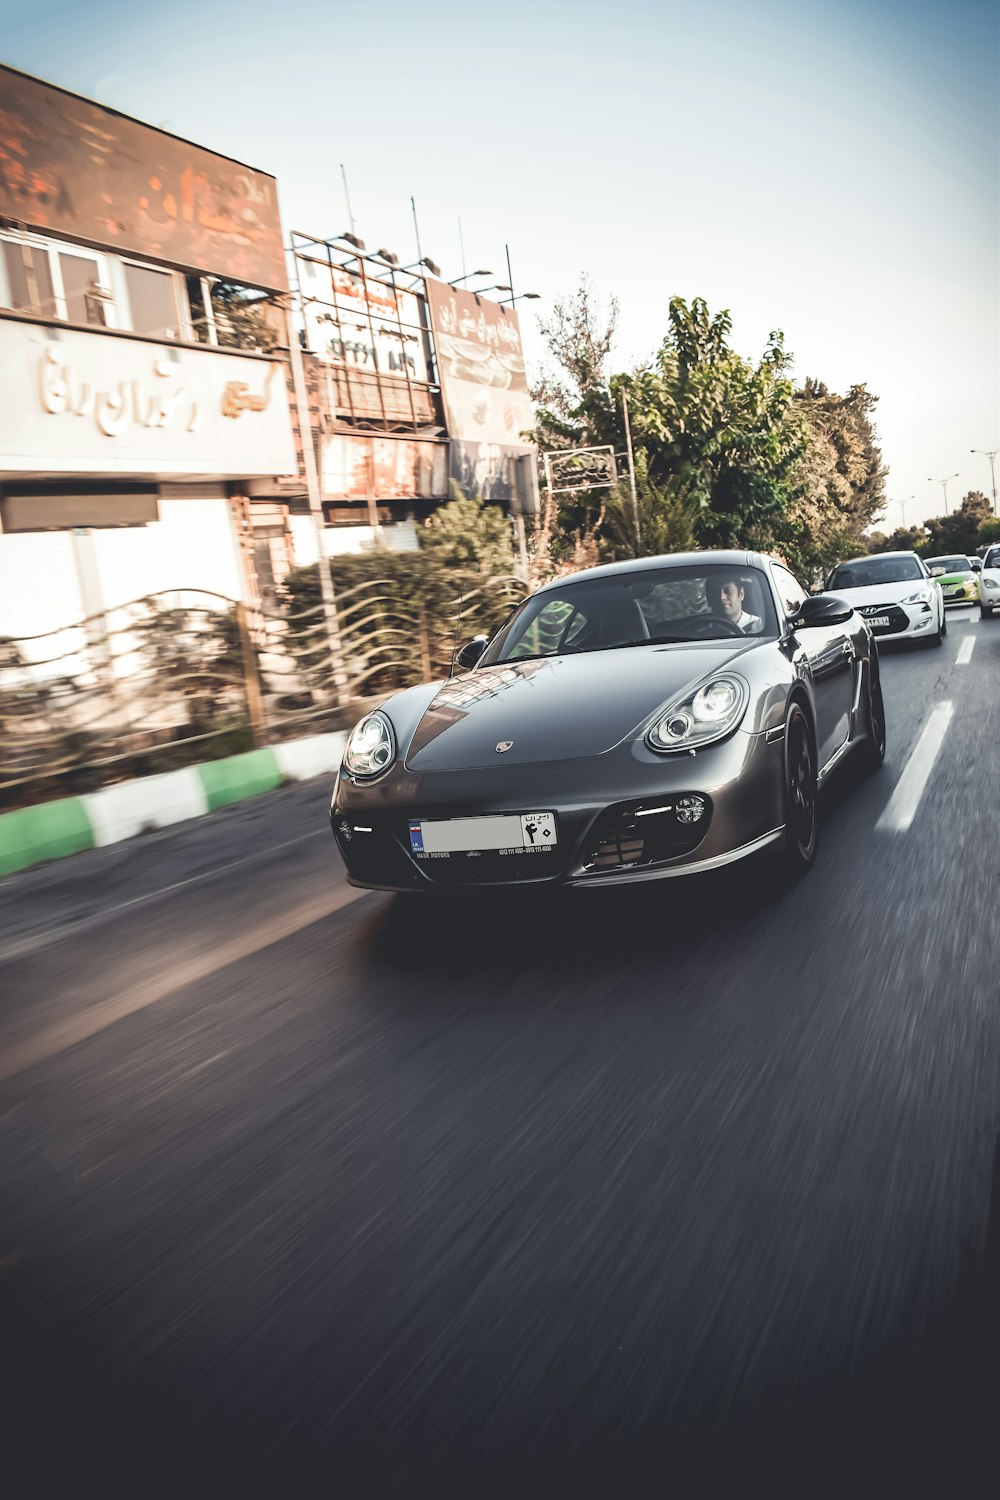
(690, 809)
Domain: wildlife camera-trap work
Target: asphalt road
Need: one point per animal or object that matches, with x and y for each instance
(344, 1193)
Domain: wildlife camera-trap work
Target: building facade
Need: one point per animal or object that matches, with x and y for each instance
(142, 369)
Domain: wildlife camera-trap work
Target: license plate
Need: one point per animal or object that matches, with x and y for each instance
(507, 833)
(878, 619)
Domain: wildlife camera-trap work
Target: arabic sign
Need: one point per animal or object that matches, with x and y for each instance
(387, 468)
(94, 403)
(580, 469)
(372, 336)
(481, 369)
(83, 171)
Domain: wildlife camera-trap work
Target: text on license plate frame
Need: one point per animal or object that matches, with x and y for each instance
(492, 833)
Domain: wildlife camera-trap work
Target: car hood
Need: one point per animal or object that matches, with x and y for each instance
(883, 593)
(558, 708)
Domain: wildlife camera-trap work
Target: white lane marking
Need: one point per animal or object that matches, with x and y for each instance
(901, 808)
(25, 946)
(965, 651)
(61, 1035)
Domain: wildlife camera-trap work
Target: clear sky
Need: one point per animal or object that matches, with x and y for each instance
(830, 169)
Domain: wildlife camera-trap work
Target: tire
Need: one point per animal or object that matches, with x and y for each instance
(798, 853)
(872, 753)
(985, 612)
(944, 624)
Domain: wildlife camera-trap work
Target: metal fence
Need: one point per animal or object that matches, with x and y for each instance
(174, 678)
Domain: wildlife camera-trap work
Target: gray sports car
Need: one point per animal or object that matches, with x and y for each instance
(635, 721)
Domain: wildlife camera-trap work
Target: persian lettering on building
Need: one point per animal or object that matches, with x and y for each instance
(372, 336)
(86, 403)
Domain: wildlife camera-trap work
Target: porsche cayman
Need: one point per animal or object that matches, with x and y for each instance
(636, 721)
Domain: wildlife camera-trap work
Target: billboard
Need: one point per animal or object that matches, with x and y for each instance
(484, 388)
(90, 174)
(372, 336)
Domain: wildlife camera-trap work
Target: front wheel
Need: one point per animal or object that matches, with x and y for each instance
(873, 751)
(985, 611)
(800, 798)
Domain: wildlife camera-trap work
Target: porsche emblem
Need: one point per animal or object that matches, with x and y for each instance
(504, 745)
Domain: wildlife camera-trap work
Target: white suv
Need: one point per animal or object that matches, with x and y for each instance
(894, 594)
(989, 583)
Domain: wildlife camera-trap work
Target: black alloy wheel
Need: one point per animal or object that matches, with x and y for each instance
(873, 752)
(801, 802)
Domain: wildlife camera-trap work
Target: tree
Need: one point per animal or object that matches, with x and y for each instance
(903, 539)
(989, 531)
(466, 534)
(959, 531)
(839, 480)
(665, 523)
(718, 431)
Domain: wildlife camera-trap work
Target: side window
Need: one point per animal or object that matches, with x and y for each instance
(790, 591)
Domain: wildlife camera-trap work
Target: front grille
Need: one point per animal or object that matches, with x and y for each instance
(617, 850)
(898, 618)
(488, 868)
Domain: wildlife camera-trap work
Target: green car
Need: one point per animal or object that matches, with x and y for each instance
(957, 578)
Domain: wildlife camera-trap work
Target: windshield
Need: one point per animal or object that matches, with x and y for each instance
(992, 558)
(661, 606)
(950, 564)
(869, 571)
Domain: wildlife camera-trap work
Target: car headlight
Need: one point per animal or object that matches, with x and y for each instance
(989, 583)
(922, 596)
(708, 714)
(371, 748)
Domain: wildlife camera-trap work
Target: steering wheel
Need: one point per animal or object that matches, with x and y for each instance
(698, 623)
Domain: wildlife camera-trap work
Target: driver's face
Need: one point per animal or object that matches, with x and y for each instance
(731, 599)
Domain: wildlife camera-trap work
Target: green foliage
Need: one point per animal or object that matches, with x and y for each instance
(717, 430)
(903, 539)
(839, 487)
(959, 531)
(665, 521)
(468, 535)
(989, 531)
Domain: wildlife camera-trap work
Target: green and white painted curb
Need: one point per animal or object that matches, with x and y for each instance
(53, 829)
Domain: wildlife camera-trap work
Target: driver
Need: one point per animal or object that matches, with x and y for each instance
(726, 596)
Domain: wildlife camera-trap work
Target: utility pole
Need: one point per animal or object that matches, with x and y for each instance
(631, 475)
(991, 454)
(902, 509)
(347, 196)
(315, 506)
(944, 483)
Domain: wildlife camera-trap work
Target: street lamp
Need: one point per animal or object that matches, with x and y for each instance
(521, 297)
(458, 281)
(944, 483)
(991, 454)
(351, 239)
(902, 508)
(427, 263)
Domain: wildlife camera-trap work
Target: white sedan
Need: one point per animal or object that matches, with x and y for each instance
(894, 594)
(989, 583)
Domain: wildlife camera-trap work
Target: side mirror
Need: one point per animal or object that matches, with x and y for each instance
(977, 564)
(466, 656)
(822, 609)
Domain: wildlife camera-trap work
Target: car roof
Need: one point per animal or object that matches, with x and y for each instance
(948, 557)
(734, 559)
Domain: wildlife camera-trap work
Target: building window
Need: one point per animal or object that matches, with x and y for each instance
(152, 296)
(29, 280)
(54, 281)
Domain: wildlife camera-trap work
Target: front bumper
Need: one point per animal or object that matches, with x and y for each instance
(966, 593)
(904, 620)
(616, 816)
